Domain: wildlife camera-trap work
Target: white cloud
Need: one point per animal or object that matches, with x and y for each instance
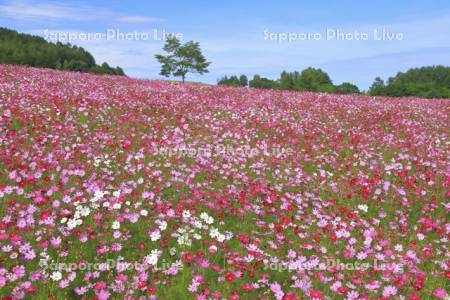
(59, 11)
(22, 10)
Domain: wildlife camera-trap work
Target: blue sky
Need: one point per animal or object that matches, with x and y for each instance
(240, 36)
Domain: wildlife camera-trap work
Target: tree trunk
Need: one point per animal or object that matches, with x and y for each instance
(182, 77)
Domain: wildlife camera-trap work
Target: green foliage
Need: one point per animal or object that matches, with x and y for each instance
(25, 49)
(243, 80)
(378, 88)
(182, 59)
(263, 83)
(233, 81)
(310, 79)
(347, 88)
(314, 80)
(425, 82)
(288, 79)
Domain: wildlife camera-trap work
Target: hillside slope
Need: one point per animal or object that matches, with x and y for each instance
(113, 187)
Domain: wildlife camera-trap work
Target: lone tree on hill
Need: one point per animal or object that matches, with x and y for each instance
(182, 59)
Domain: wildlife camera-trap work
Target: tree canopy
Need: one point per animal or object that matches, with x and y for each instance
(233, 80)
(182, 59)
(347, 88)
(425, 82)
(314, 80)
(263, 83)
(25, 49)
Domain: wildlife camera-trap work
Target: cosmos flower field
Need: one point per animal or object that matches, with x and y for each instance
(114, 188)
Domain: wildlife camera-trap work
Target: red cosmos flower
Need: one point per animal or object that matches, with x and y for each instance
(290, 296)
(447, 274)
(316, 294)
(243, 238)
(126, 144)
(241, 196)
(278, 227)
(45, 214)
(216, 268)
(427, 253)
(196, 194)
(414, 296)
(351, 215)
(164, 243)
(142, 285)
(247, 287)
(141, 246)
(341, 291)
(418, 284)
(333, 236)
(100, 285)
(40, 200)
(188, 256)
(31, 289)
(229, 277)
(15, 238)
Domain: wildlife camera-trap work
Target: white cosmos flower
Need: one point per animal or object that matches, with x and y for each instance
(117, 205)
(152, 258)
(363, 207)
(85, 211)
(56, 276)
(162, 225)
(72, 223)
(203, 216)
(186, 214)
(155, 235)
(115, 225)
(197, 224)
(221, 237)
(214, 232)
(98, 194)
(144, 213)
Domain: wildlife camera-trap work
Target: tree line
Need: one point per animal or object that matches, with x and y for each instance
(425, 82)
(25, 49)
(310, 79)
